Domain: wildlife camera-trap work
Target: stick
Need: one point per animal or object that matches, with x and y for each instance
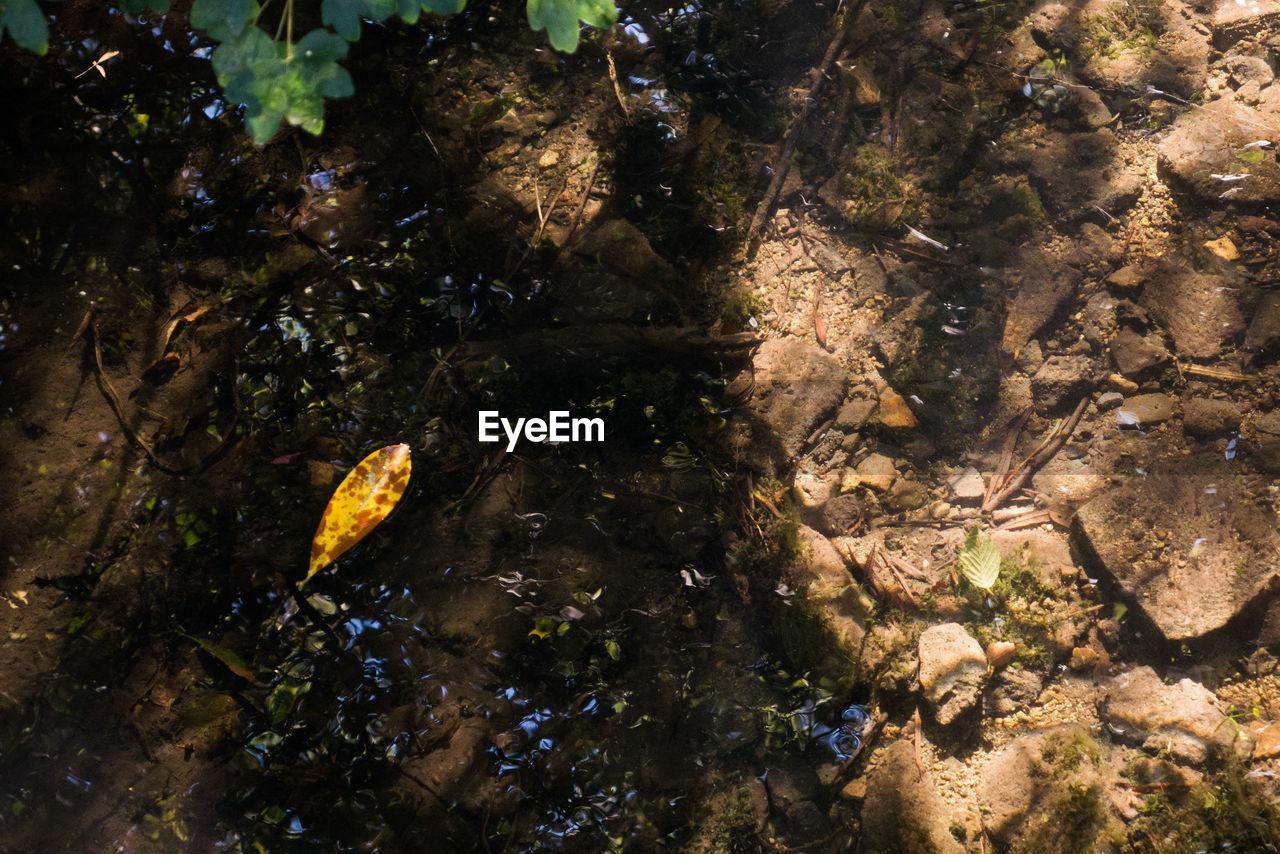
(915, 719)
(617, 90)
(818, 78)
(1006, 454)
(1032, 464)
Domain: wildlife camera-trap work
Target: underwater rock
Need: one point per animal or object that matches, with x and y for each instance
(877, 472)
(1205, 418)
(1011, 690)
(1133, 354)
(1266, 435)
(967, 487)
(1191, 548)
(825, 628)
(906, 495)
(1198, 310)
(1263, 334)
(1201, 152)
(1061, 382)
(1048, 783)
(1037, 298)
(854, 413)
(623, 248)
(839, 514)
(797, 385)
(894, 413)
(903, 803)
(953, 670)
(1143, 410)
(1183, 719)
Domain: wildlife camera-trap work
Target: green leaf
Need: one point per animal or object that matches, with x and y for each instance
(275, 83)
(560, 19)
(25, 22)
(283, 698)
(345, 15)
(980, 560)
(233, 662)
(223, 20)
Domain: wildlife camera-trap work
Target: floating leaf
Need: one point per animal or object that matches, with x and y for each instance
(363, 499)
(980, 559)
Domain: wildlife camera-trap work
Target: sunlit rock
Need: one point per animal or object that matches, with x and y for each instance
(1191, 549)
(1203, 154)
(1144, 410)
(877, 472)
(953, 670)
(903, 803)
(1043, 782)
(1183, 719)
(893, 411)
(824, 626)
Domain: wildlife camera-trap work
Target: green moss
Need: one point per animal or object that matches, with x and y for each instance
(1065, 753)
(870, 183)
(1072, 821)
(1018, 198)
(741, 307)
(1018, 585)
(1125, 25)
(1227, 812)
(734, 825)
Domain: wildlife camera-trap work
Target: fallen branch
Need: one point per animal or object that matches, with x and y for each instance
(89, 329)
(818, 77)
(1000, 488)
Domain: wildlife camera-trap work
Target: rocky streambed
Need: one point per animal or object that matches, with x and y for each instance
(1095, 304)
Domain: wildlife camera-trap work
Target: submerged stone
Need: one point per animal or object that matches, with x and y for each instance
(953, 670)
(903, 803)
(1191, 549)
(1183, 719)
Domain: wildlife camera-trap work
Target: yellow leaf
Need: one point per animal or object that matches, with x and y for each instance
(363, 499)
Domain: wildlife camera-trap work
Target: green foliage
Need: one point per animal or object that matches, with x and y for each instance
(979, 560)
(23, 20)
(277, 79)
(560, 19)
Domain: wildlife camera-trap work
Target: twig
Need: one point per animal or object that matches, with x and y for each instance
(888, 561)
(617, 90)
(819, 327)
(1006, 454)
(768, 504)
(1047, 450)
(90, 328)
(1026, 520)
(915, 719)
(818, 78)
